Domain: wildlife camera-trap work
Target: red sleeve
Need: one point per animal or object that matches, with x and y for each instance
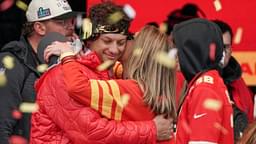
(243, 98)
(84, 125)
(78, 85)
(203, 120)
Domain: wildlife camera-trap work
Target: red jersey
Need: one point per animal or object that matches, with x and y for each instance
(206, 114)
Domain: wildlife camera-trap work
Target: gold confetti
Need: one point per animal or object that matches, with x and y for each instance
(129, 11)
(238, 35)
(8, 62)
(28, 107)
(42, 68)
(163, 27)
(79, 21)
(217, 5)
(137, 51)
(164, 59)
(105, 65)
(115, 17)
(212, 104)
(125, 99)
(87, 28)
(221, 128)
(3, 79)
(20, 4)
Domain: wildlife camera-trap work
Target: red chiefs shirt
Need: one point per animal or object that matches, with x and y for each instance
(206, 114)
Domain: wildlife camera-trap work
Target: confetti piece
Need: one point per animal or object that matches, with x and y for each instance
(163, 59)
(125, 99)
(221, 128)
(16, 114)
(87, 28)
(173, 53)
(238, 35)
(217, 5)
(137, 51)
(3, 79)
(42, 68)
(212, 104)
(17, 140)
(136, 34)
(212, 51)
(6, 4)
(129, 11)
(115, 17)
(28, 107)
(163, 27)
(20, 4)
(105, 65)
(79, 21)
(8, 62)
(186, 127)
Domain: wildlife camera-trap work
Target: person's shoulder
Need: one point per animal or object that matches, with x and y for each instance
(209, 80)
(54, 69)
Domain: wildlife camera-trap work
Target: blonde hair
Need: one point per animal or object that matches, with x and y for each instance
(158, 81)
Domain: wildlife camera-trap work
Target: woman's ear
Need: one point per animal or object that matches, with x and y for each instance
(40, 28)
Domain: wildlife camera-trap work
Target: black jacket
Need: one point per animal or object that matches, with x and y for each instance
(19, 88)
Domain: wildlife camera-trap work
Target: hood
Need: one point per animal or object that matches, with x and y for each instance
(232, 71)
(200, 46)
(92, 61)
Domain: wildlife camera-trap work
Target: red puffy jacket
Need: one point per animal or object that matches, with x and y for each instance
(61, 120)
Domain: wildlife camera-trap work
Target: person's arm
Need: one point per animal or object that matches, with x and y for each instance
(10, 96)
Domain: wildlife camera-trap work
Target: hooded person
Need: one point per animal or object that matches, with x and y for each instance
(205, 115)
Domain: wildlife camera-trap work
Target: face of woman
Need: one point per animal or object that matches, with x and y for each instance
(109, 46)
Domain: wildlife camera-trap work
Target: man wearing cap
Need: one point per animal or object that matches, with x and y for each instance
(17, 87)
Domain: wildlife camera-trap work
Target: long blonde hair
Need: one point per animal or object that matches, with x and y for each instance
(157, 81)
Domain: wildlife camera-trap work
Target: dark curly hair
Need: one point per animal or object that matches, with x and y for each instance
(100, 14)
